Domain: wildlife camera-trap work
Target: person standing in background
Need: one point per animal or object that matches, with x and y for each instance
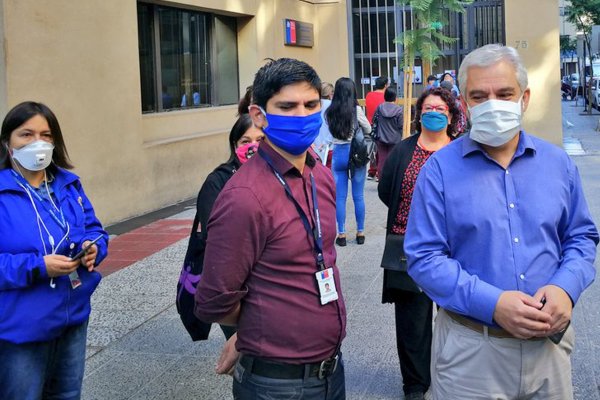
(323, 143)
(388, 123)
(436, 116)
(345, 118)
(372, 101)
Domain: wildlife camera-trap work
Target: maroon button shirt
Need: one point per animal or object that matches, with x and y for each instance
(259, 253)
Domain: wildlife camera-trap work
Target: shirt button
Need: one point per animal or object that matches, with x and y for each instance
(522, 276)
(516, 240)
(511, 205)
(506, 172)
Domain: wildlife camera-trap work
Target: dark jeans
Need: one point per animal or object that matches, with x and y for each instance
(49, 370)
(247, 386)
(414, 313)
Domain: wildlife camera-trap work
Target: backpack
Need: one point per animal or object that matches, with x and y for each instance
(186, 286)
(361, 150)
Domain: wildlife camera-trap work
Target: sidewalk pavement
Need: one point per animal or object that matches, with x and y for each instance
(138, 348)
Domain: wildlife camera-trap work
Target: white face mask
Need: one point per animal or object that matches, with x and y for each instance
(35, 156)
(495, 122)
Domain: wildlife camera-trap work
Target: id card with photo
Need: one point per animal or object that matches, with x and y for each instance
(327, 289)
(75, 280)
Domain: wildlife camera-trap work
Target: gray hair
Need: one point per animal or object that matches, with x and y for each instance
(489, 55)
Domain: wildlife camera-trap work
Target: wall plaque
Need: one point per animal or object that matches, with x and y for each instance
(298, 33)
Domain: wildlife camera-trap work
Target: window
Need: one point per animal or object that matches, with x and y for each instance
(188, 59)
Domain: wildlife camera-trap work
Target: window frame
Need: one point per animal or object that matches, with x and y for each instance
(210, 45)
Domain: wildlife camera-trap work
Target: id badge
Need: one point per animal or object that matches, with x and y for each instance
(75, 280)
(327, 290)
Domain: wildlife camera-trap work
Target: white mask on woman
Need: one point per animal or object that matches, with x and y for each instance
(34, 156)
(495, 122)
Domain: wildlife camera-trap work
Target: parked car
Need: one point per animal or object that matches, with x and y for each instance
(570, 86)
(596, 93)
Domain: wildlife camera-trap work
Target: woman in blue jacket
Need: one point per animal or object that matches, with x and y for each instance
(45, 220)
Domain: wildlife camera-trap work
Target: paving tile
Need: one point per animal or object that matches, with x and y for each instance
(125, 375)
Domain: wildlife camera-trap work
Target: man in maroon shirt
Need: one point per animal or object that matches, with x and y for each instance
(372, 101)
(270, 254)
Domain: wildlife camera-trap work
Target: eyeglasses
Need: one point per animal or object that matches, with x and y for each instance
(439, 108)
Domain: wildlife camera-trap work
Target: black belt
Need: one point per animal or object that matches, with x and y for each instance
(275, 370)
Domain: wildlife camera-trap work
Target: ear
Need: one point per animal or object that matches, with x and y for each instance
(258, 118)
(465, 106)
(526, 96)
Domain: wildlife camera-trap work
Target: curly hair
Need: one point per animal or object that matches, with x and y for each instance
(450, 101)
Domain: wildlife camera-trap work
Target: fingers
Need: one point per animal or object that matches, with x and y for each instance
(89, 259)
(57, 265)
(535, 301)
(518, 313)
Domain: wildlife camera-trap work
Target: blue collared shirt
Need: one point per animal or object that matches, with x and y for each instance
(476, 229)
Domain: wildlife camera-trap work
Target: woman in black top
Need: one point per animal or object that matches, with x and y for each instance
(243, 144)
(435, 122)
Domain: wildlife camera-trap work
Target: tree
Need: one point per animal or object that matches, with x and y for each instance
(567, 44)
(585, 14)
(427, 21)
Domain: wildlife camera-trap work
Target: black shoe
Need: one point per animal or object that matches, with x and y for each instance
(340, 241)
(414, 396)
(360, 239)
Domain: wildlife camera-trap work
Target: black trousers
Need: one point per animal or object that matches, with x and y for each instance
(414, 313)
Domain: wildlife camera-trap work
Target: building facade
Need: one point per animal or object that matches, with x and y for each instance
(102, 65)
(146, 90)
(530, 26)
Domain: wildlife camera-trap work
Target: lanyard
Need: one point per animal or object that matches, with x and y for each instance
(56, 214)
(316, 233)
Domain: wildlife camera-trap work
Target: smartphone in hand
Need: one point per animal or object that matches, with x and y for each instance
(85, 249)
(556, 337)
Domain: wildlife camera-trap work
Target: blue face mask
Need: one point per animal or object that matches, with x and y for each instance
(292, 134)
(434, 121)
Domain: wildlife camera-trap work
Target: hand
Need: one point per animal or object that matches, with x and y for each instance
(520, 315)
(558, 305)
(89, 258)
(228, 358)
(57, 265)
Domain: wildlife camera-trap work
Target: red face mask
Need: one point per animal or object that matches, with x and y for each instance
(246, 151)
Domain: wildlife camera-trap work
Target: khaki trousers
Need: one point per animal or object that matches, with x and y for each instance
(466, 364)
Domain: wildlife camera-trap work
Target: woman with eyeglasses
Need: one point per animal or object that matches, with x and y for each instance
(46, 280)
(435, 123)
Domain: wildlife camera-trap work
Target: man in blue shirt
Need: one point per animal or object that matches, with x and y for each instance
(501, 238)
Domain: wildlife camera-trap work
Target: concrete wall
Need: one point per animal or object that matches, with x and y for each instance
(81, 59)
(532, 27)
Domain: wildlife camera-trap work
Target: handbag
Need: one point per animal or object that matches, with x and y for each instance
(394, 260)
(186, 286)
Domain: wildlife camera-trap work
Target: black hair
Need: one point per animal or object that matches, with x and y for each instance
(22, 113)
(276, 74)
(243, 123)
(450, 101)
(245, 102)
(341, 114)
(390, 94)
(380, 82)
(449, 74)
(431, 78)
